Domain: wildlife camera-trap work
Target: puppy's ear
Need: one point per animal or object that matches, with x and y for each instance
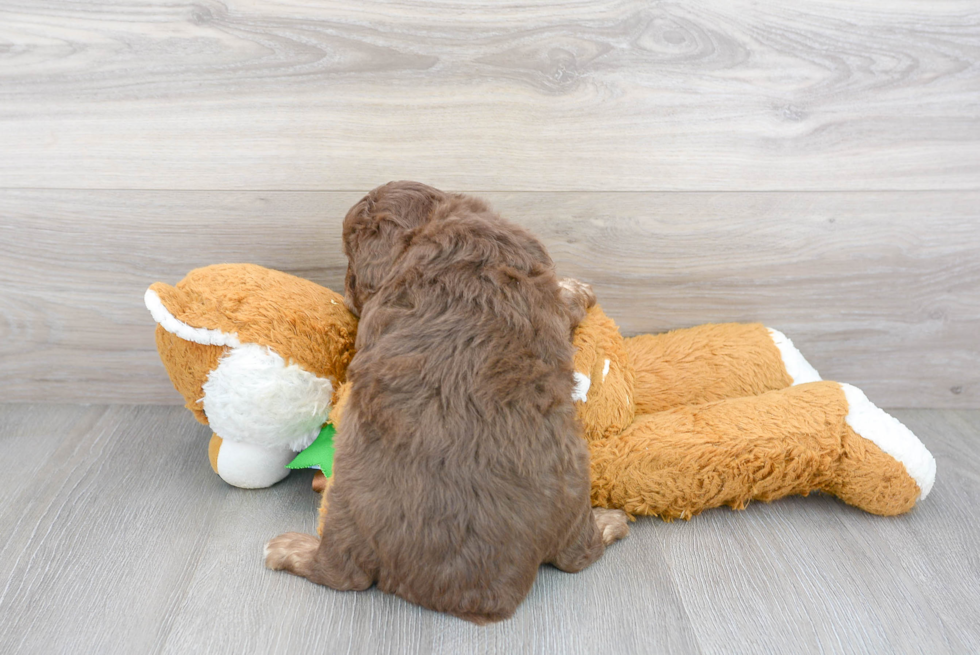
(350, 292)
(376, 231)
(372, 243)
(372, 248)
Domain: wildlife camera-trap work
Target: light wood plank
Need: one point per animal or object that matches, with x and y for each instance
(125, 541)
(878, 289)
(104, 539)
(575, 95)
(308, 618)
(814, 575)
(135, 496)
(950, 579)
(32, 445)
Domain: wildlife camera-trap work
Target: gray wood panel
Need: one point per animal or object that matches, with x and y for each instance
(119, 539)
(878, 289)
(101, 542)
(582, 95)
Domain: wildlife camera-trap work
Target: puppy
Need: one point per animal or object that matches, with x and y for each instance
(459, 466)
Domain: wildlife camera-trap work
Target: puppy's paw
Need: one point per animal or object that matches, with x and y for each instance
(576, 297)
(612, 523)
(293, 552)
(576, 292)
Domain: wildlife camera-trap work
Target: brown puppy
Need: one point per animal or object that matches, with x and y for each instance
(459, 466)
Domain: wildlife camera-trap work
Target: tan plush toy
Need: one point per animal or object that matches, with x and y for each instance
(723, 414)
(258, 355)
(677, 423)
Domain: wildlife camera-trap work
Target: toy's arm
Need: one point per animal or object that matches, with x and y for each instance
(618, 378)
(321, 484)
(713, 362)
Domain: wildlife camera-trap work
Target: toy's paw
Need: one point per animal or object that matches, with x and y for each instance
(612, 523)
(800, 370)
(888, 433)
(319, 482)
(293, 552)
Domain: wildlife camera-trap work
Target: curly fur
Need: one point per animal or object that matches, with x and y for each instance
(459, 465)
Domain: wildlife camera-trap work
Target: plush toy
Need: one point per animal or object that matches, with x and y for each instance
(257, 355)
(676, 423)
(723, 414)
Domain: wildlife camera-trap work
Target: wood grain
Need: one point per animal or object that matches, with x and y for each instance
(877, 289)
(101, 542)
(576, 95)
(894, 584)
(119, 539)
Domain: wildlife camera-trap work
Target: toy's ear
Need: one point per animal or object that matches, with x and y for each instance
(228, 305)
(188, 353)
(171, 307)
(604, 377)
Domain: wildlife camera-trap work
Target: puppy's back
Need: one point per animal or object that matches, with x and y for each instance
(461, 456)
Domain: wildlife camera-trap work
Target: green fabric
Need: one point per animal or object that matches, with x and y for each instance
(318, 454)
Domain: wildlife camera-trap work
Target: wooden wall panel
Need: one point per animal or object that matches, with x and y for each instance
(878, 289)
(813, 165)
(620, 95)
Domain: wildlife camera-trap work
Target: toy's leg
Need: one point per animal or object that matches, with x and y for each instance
(713, 362)
(884, 467)
(246, 465)
(595, 530)
(326, 560)
(817, 436)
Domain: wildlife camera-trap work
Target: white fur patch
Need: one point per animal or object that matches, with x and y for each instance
(173, 325)
(255, 397)
(605, 370)
(796, 365)
(252, 467)
(582, 384)
(888, 433)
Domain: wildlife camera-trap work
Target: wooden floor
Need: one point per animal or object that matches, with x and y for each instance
(116, 537)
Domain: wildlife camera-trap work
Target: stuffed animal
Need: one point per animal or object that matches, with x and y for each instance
(723, 414)
(676, 423)
(257, 355)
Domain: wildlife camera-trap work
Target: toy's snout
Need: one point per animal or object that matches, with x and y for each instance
(248, 466)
